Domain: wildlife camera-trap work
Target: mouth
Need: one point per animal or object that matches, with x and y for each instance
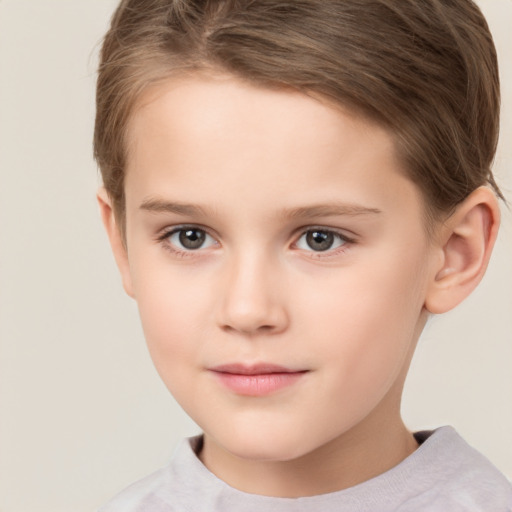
(256, 380)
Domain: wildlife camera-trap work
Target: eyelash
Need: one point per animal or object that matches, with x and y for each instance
(164, 239)
(346, 242)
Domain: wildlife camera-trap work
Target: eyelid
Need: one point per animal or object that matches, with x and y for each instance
(347, 235)
(341, 234)
(164, 235)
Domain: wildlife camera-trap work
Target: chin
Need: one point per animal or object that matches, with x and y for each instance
(265, 445)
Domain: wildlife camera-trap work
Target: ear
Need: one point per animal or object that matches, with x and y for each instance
(116, 240)
(466, 241)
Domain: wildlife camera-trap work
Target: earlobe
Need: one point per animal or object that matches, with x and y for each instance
(466, 242)
(116, 240)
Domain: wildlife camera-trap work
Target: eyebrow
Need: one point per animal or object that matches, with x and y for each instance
(330, 210)
(161, 206)
(321, 210)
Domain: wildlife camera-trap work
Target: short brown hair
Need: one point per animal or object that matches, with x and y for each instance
(425, 69)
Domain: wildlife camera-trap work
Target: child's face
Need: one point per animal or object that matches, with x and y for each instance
(268, 232)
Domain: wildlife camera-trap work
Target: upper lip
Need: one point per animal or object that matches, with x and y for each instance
(253, 369)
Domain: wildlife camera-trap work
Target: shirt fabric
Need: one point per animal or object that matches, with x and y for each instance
(444, 474)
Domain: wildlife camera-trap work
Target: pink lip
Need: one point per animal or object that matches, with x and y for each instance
(256, 380)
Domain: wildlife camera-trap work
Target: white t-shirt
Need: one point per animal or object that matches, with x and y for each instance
(444, 474)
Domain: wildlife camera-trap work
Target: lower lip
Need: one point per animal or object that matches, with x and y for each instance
(260, 384)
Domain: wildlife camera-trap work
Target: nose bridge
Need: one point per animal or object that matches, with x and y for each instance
(252, 300)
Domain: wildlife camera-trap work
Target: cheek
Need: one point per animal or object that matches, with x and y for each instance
(383, 295)
(173, 313)
(365, 322)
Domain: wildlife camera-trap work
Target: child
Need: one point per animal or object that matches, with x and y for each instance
(291, 188)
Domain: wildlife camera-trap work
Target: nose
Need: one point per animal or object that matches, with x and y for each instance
(252, 300)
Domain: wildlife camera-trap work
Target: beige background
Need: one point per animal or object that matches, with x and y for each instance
(82, 412)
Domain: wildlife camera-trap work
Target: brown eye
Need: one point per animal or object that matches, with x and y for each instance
(320, 240)
(190, 239)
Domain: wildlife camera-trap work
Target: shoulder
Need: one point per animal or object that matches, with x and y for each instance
(457, 477)
(164, 490)
(143, 495)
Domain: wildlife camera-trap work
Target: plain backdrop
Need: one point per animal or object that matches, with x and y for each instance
(82, 411)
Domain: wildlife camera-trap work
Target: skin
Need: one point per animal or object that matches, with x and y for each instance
(256, 170)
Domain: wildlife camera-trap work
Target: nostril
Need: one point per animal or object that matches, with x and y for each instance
(266, 329)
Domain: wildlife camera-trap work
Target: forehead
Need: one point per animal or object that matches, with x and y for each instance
(208, 139)
(221, 108)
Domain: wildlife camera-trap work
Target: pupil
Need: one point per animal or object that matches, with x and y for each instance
(192, 238)
(320, 240)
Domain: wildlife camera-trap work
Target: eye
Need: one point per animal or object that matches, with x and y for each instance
(320, 240)
(189, 239)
